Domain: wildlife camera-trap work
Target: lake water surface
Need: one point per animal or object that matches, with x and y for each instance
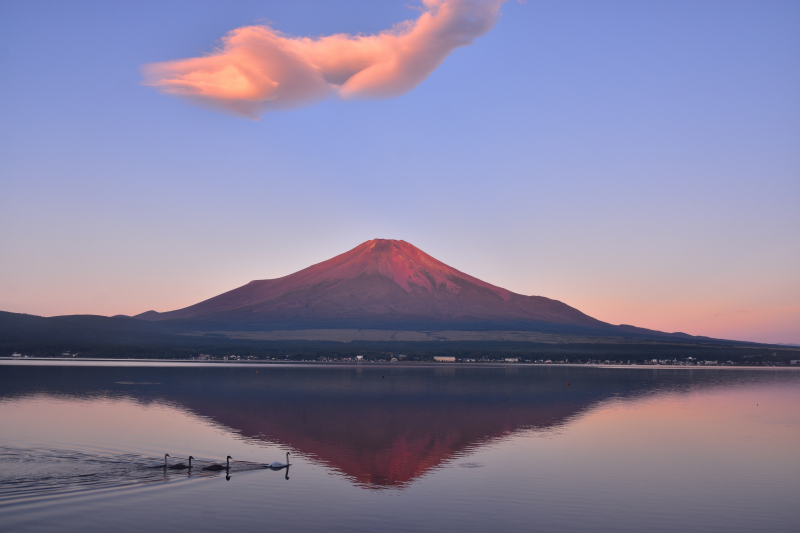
(398, 448)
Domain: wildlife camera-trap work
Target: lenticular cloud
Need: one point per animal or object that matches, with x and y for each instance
(258, 68)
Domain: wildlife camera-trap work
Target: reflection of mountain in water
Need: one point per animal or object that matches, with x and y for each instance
(381, 441)
(380, 426)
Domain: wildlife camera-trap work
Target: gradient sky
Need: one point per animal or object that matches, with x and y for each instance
(637, 160)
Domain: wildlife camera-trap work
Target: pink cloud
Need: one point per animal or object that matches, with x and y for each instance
(257, 68)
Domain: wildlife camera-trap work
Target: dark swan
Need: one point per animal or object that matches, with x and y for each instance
(182, 466)
(218, 466)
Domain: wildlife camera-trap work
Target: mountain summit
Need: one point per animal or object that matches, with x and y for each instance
(380, 283)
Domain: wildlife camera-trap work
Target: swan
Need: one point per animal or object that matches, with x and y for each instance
(182, 466)
(219, 466)
(165, 459)
(278, 464)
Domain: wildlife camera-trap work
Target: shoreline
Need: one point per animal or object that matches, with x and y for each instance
(62, 361)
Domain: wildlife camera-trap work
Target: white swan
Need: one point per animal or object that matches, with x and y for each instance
(278, 464)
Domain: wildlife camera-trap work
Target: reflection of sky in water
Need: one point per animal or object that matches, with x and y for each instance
(471, 449)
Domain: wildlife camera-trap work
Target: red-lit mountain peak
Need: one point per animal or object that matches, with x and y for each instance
(380, 283)
(399, 261)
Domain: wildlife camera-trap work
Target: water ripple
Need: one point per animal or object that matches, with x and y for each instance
(28, 474)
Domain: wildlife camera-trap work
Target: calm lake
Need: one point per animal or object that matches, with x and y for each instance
(397, 448)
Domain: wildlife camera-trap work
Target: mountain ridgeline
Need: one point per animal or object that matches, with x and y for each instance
(379, 284)
(381, 297)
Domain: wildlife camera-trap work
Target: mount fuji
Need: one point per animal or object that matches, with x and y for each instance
(380, 283)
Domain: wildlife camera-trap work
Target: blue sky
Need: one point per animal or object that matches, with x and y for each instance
(639, 161)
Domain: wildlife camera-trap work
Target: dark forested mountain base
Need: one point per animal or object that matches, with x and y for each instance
(124, 337)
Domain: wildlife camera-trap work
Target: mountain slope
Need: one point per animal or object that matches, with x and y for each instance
(379, 282)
